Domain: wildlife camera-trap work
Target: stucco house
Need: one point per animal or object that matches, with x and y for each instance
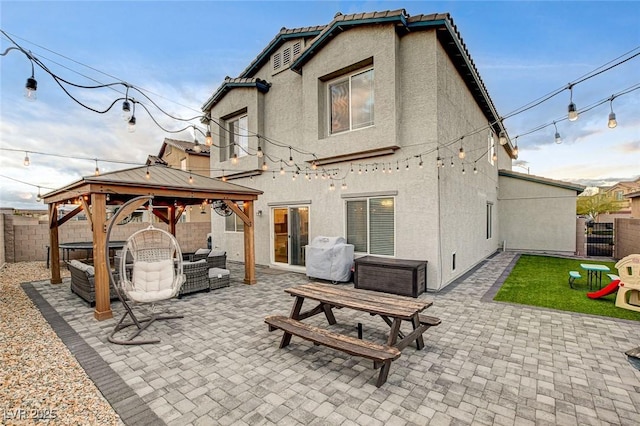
(187, 156)
(376, 127)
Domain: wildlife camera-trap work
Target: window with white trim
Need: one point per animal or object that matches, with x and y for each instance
(351, 102)
(233, 223)
(371, 225)
(238, 138)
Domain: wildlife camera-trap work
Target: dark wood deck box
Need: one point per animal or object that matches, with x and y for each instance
(397, 276)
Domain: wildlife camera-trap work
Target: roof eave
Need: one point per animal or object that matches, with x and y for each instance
(262, 86)
(544, 181)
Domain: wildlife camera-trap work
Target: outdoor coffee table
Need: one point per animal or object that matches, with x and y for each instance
(594, 272)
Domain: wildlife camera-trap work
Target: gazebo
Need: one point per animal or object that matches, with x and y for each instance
(172, 189)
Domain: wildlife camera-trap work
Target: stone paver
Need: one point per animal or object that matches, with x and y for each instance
(487, 363)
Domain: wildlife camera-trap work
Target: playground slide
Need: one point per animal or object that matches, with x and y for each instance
(612, 287)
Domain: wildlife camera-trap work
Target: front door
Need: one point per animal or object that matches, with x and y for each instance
(290, 234)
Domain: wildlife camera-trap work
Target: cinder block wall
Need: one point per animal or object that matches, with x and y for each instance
(26, 239)
(627, 237)
(3, 258)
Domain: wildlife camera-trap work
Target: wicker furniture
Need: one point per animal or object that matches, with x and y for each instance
(217, 259)
(83, 282)
(196, 278)
(218, 278)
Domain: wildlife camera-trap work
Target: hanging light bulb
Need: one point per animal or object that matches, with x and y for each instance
(452, 164)
(196, 146)
(461, 153)
(224, 178)
(208, 140)
(463, 171)
(126, 110)
(502, 137)
(260, 154)
(281, 169)
(97, 171)
(265, 167)
(148, 175)
(332, 187)
(314, 166)
(558, 138)
(38, 197)
(344, 186)
(190, 177)
(515, 148)
(234, 159)
(132, 124)
(26, 161)
(612, 117)
(421, 163)
(351, 167)
(438, 162)
(494, 157)
(290, 158)
(475, 169)
(573, 111)
(30, 88)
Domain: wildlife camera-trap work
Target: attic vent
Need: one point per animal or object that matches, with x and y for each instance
(286, 56)
(297, 47)
(276, 61)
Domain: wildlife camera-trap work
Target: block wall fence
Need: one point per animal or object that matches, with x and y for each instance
(26, 239)
(627, 237)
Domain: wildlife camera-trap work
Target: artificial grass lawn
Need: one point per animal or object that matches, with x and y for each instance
(544, 281)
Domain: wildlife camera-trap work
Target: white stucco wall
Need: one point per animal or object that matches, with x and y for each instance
(537, 217)
(421, 102)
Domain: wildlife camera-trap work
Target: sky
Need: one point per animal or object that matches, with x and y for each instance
(180, 53)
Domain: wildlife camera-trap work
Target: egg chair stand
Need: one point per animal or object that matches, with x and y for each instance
(149, 271)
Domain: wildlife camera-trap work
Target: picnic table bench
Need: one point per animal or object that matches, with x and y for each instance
(391, 308)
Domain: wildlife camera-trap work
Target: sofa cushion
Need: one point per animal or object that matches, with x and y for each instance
(83, 267)
(218, 272)
(202, 251)
(216, 253)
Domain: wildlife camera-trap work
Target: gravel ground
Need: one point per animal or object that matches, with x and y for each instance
(40, 380)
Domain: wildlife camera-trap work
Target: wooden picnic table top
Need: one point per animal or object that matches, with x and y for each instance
(389, 305)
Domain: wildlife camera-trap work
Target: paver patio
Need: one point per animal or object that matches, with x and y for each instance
(487, 363)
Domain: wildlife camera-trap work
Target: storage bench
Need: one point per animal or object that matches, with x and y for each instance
(397, 276)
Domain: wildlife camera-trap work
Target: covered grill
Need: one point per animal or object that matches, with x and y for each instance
(329, 258)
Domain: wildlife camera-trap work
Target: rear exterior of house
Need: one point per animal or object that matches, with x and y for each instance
(366, 107)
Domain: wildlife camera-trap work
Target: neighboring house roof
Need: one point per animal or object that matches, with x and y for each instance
(321, 35)
(188, 147)
(154, 159)
(542, 180)
(629, 185)
(634, 194)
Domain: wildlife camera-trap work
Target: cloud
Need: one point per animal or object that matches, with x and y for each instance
(629, 147)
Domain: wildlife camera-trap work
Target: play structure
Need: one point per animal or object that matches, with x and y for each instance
(612, 287)
(629, 290)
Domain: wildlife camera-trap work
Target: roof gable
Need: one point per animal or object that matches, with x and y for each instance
(185, 146)
(542, 180)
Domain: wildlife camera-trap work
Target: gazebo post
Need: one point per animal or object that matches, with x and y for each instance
(249, 245)
(99, 219)
(54, 244)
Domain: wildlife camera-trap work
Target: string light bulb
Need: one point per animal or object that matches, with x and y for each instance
(515, 148)
(39, 196)
(234, 159)
(438, 162)
(314, 166)
(132, 124)
(97, 171)
(290, 158)
(557, 136)
(265, 167)
(148, 175)
(26, 161)
(208, 140)
(344, 186)
(612, 123)
(573, 111)
(31, 87)
(126, 110)
(190, 177)
(502, 137)
(494, 157)
(260, 154)
(332, 187)
(281, 169)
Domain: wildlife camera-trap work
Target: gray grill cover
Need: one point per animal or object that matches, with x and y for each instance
(329, 258)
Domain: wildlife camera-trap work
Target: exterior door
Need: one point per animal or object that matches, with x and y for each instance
(290, 234)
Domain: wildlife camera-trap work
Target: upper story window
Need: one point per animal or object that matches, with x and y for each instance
(619, 195)
(351, 102)
(183, 164)
(238, 138)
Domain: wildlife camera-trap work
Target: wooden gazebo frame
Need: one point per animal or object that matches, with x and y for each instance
(172, 189)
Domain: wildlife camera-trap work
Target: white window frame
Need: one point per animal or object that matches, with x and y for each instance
(368, 224)
(491, 148)
(238, 142)
(489, 220)
(238, 224)
(347, 77)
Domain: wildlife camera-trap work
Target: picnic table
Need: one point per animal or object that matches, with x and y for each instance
(594, 272)
(393, 309)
